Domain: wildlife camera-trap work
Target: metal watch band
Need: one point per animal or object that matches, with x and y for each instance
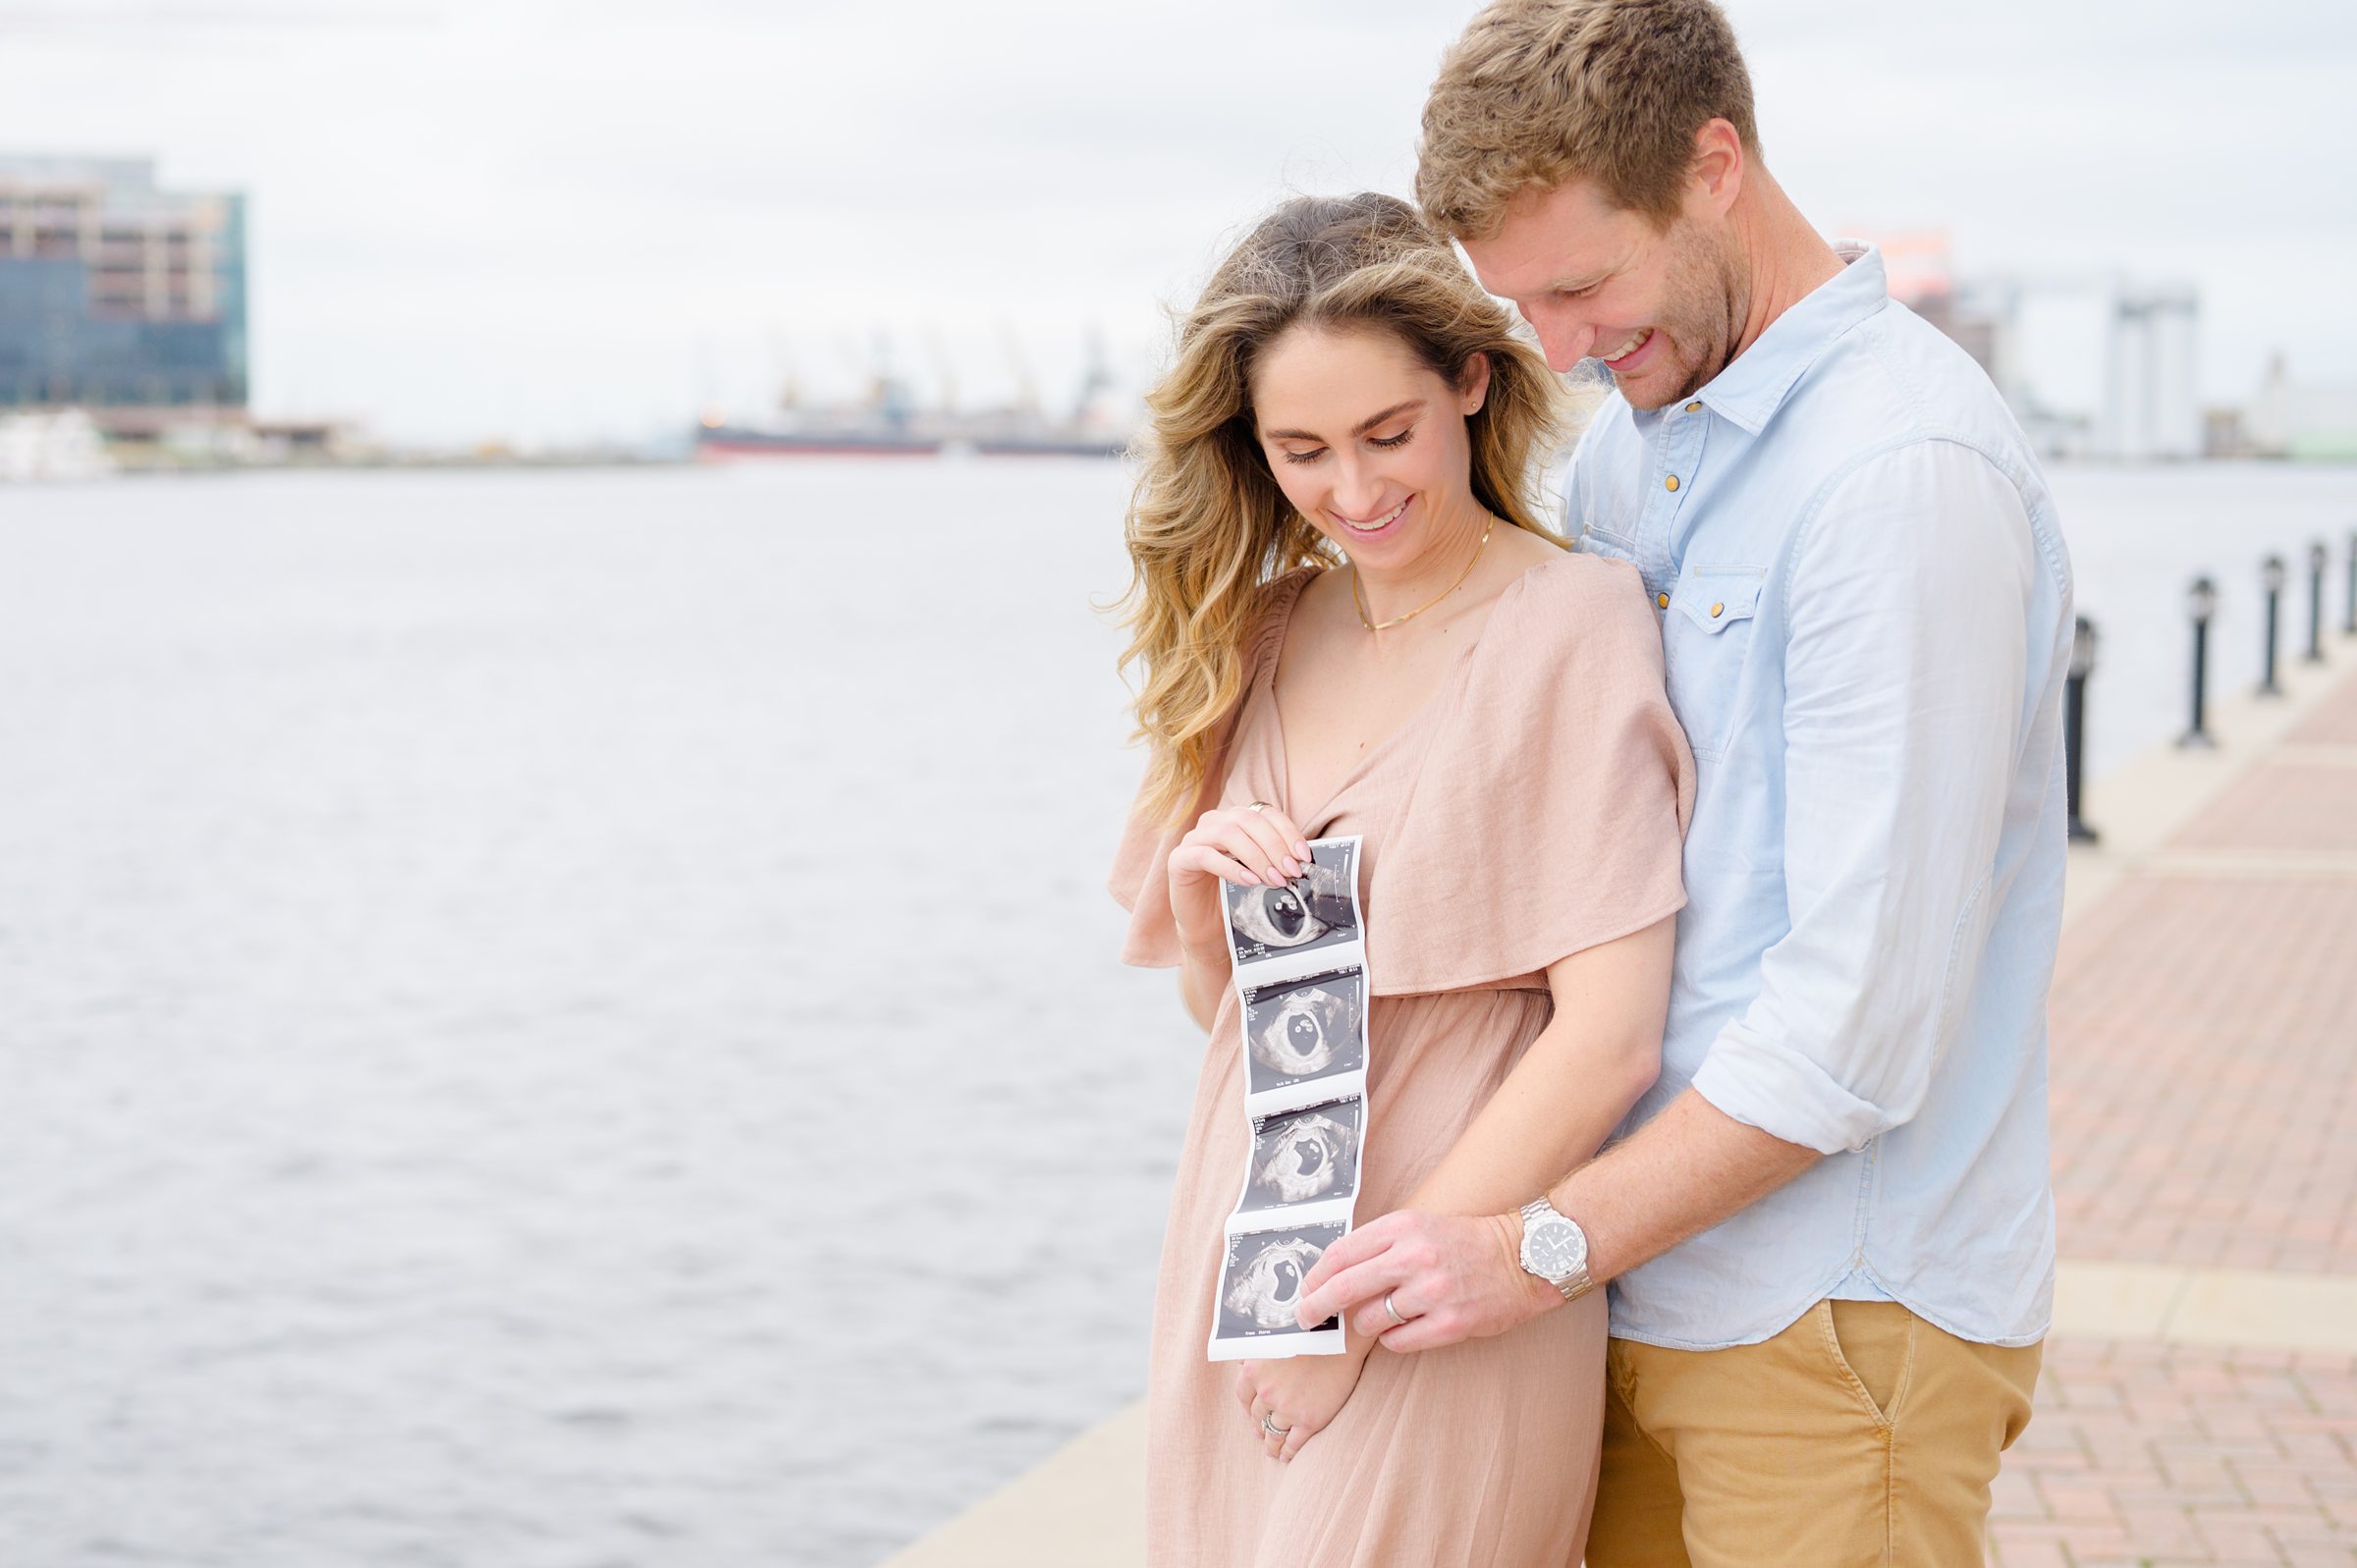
(1574, 1284)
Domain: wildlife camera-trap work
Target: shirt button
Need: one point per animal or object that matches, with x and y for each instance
(1693, 407)
(1662, 599)
(1672, 481)
(1716, 611)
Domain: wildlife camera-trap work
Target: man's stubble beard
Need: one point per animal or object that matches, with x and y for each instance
(1709, 295)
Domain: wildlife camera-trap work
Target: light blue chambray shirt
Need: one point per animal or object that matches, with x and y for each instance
(1866, 611)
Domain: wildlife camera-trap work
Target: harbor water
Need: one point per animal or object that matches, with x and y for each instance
(569, 1019)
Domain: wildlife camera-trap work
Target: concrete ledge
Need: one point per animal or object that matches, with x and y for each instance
(2244, 1307)
(2216, 863)
(2313, 754)
(1084, 1506)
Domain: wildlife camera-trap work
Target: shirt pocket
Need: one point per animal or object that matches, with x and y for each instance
(1705, 642)
(1597, 540)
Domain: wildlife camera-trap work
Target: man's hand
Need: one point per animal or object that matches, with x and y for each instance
(1452, 1276)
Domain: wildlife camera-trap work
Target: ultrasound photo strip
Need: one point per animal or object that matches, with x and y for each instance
(1300, 974)
(1260, 1284)
(1306, 1161)
(1301, 1036)
(1314, 913)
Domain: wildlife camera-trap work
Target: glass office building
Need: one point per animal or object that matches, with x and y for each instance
(116, 293)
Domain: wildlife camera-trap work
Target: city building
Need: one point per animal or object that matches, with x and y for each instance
(2152, 404)
(2310, 419)
(119, 297)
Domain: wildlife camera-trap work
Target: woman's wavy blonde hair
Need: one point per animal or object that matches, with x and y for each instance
(1208, 528)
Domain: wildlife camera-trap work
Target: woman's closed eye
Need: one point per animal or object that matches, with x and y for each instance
(1386, 442)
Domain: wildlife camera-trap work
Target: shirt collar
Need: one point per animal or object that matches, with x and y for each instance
(1754, 385)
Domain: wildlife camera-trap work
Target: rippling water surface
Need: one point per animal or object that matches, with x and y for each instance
(570, 1018)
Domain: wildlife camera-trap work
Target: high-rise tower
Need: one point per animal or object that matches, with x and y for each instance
(115, 294)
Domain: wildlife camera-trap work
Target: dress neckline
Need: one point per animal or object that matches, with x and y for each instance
(1265, 684)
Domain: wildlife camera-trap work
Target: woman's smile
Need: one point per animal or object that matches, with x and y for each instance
(1381, 525)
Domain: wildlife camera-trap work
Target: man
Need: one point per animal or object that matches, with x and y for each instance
(1828, 1227)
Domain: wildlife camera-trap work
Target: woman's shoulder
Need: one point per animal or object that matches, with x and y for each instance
(1277, 598)
(1557, 792)
(1575, 604)
(1281, 591)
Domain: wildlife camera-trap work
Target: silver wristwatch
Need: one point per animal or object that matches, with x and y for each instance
(1555, 1249)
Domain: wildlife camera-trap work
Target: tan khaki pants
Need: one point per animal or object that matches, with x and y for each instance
(1861, 1435)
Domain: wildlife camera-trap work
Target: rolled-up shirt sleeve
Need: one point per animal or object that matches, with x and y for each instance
(1907, 616)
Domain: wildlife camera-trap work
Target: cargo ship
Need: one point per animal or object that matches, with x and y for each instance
(889, 424)
(723, 441)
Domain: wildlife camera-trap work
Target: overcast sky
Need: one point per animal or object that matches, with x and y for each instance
(545, 219)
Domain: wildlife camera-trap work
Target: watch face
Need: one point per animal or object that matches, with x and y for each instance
(1555, 1247)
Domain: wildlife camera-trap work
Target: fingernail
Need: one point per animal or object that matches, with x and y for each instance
(1292, 868)
(1301, 849)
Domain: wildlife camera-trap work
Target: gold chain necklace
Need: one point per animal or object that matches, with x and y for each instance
(1386, 626)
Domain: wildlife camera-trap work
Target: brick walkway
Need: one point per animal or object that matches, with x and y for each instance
(2205, 1114)
(2204, 1073)
(2146, 1454)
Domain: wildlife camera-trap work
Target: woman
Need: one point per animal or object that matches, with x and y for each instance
(1351, 620)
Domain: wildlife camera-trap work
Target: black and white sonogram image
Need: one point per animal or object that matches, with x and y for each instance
(1262, 1281)
(1306, 1029)
(1306, 1155)
(1315, 909)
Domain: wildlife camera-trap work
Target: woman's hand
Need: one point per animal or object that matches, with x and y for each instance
(1251, 848)
(1303, 1395)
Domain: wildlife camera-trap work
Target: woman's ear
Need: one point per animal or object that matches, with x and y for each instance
(1473, 385)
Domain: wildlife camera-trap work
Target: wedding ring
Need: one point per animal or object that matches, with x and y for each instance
(1394, 1311)
(1268, 1424)
(1257, 806)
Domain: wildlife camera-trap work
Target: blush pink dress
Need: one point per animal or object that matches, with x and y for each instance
(1534, 806)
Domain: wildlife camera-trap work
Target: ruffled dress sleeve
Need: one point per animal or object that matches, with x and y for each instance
(1549, 813)
(1140, 882)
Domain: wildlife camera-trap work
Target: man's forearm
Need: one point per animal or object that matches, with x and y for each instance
(1677, 1176)
(1682, 1172)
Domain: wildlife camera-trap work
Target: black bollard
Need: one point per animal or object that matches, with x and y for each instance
(2317, 556)
(2201, 602)
(2270, 577)
(2074, 725)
